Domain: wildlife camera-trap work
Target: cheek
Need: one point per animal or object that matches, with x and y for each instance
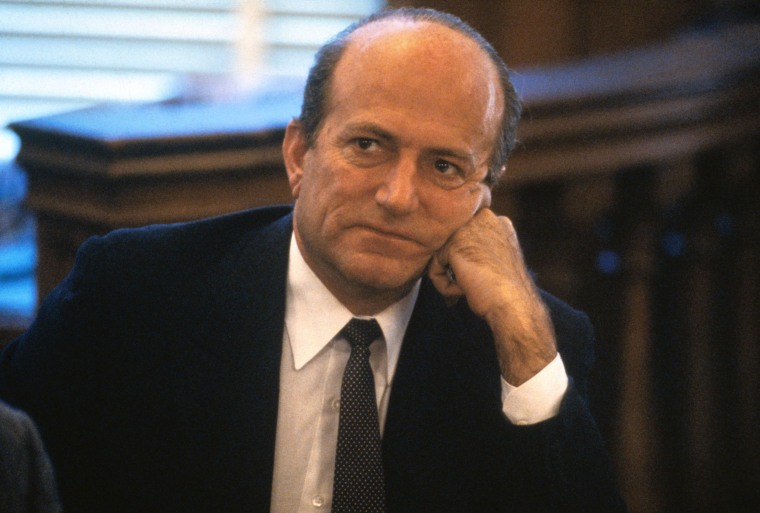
(454, 211)
(330, 196)
(312, 204)
(315, 185)
(324, 174)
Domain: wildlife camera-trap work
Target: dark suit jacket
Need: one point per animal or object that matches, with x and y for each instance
(152, 372)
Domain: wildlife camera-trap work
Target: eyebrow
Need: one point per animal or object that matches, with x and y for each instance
(371, 128)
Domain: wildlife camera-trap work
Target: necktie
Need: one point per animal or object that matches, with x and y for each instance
(359, 486)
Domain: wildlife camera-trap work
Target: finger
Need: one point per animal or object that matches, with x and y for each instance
(441, 276)
(485, 200)
(450, 274)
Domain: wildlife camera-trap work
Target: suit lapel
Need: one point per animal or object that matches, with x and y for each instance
(446, 372)
(228, 378)
(262, 326)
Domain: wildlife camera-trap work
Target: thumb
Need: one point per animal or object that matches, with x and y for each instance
(444, 281)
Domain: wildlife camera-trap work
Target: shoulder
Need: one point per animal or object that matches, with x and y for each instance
(15, 427)
(202, 234)
(130, 253)
(20, 444)
(151, 270)
(139, 286)
(26, 476)
(19, 438)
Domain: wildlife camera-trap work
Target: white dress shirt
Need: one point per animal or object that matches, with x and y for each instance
(311, 370)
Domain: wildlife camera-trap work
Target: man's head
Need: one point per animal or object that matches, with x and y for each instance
(317, 90)
(398, 158)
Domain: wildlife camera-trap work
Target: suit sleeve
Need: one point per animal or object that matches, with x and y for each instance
(564, 461)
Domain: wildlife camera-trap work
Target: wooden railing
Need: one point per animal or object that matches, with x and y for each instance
(635, 190)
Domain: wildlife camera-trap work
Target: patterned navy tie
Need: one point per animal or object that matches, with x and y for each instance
(359, 486)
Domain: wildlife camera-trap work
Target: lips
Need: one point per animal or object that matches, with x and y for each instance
(389, 233)
(391, 242)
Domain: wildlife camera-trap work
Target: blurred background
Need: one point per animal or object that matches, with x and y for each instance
(634, 186)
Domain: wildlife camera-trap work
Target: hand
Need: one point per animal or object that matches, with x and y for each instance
(490, 272)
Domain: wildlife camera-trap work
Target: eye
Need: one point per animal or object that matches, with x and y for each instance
(365, 151)
(445, 174)
(365, 143)
(445, 167)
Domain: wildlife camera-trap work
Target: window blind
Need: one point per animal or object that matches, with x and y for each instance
(58, 55)
(293, 30)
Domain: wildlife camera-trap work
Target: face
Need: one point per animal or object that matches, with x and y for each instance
(399, 162)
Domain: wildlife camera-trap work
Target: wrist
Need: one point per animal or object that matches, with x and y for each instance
(525, 341)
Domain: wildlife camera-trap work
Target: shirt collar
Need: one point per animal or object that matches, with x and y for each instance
(313, 316)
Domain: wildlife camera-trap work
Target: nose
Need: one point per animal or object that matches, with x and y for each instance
(398, 190)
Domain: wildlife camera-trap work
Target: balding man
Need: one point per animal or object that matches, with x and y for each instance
(228, 364)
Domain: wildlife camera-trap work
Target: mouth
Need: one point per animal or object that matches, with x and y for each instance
(390, 234)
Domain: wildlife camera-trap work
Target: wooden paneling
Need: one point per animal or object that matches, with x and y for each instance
(530, 32)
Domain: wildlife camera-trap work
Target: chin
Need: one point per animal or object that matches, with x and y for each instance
(384, 273)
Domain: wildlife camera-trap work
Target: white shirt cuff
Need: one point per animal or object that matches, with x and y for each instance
(537, 399)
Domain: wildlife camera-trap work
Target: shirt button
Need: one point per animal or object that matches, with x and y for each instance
(317, 501)
(336, 404)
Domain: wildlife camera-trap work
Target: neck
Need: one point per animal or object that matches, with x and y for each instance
(369, 301)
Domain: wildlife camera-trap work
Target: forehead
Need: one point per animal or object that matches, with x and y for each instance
(418, 68)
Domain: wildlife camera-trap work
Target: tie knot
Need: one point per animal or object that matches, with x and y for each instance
(362, 332)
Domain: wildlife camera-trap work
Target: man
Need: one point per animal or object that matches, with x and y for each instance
(198, 367)
(27, 483)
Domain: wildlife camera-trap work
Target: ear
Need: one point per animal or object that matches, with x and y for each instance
(294, 148)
